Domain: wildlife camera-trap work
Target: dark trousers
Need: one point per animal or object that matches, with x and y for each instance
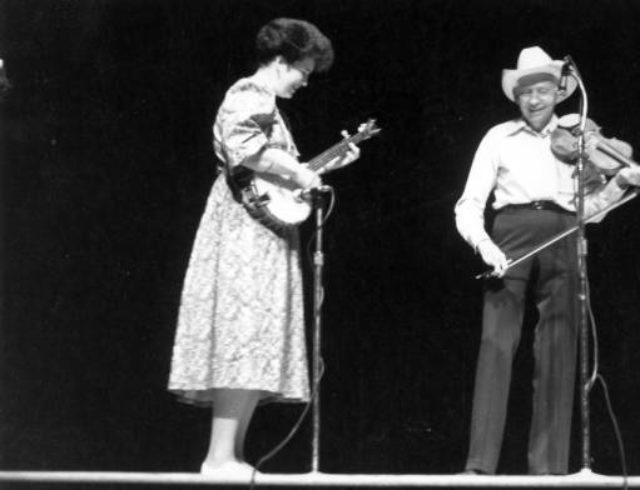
(553, 277)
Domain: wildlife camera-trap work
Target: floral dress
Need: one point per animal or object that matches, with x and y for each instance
(240, 323)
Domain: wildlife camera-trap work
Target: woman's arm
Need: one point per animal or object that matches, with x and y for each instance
(279, 162)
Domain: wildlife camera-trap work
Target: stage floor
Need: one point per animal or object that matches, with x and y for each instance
(584, 479)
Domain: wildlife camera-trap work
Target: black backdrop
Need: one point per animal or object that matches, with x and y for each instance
(106, 165)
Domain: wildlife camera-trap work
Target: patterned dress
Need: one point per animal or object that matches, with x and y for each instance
(240, 323)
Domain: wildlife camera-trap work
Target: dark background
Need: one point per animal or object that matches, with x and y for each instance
(106, 165)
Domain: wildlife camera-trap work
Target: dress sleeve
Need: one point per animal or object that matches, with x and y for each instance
(245, 124)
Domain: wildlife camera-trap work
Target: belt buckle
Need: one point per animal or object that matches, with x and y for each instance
(538, 205)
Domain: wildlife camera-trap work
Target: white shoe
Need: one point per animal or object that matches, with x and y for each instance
(230, 469)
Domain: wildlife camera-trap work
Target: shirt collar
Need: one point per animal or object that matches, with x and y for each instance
(521, 125)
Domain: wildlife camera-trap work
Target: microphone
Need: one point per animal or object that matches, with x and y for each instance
(309, 192)
(565, 71)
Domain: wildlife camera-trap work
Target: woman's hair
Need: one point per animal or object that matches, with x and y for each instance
(294, 40)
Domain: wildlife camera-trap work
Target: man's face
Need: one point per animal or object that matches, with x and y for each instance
(537, 103)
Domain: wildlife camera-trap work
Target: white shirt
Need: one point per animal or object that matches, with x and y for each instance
(516, 163)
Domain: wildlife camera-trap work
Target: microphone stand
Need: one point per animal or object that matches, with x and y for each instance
(583, 316)
(318, 296)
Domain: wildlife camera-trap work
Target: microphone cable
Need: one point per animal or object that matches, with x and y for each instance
(278, 447)
(596, 376)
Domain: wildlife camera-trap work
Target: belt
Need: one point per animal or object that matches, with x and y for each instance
(538, 206)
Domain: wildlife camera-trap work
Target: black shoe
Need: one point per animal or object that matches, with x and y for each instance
(472, 472)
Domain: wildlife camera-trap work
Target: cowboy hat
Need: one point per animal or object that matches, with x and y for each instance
(534, 61)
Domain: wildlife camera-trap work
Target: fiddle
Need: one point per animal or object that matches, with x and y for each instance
(606, 156)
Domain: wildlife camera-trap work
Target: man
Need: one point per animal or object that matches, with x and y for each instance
(535, 198)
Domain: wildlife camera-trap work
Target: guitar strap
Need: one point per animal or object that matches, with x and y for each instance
(237, 180)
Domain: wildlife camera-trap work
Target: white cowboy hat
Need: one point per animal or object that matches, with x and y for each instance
(533, 61)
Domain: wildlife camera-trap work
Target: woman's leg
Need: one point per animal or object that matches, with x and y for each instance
(243, 425)
(232, 411)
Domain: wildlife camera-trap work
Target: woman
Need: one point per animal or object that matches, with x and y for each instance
(240, 335)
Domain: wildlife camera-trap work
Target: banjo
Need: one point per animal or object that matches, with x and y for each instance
(276, 201)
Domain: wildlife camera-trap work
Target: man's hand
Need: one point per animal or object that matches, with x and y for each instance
(628, 176)
(493, 257)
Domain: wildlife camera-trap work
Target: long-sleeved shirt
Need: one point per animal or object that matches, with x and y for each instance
(517, 164)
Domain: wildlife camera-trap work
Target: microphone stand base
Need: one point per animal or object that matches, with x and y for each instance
(586, 474)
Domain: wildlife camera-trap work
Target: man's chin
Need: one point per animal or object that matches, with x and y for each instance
(538, 124)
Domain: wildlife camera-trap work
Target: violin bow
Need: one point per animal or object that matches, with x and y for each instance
(513, 262)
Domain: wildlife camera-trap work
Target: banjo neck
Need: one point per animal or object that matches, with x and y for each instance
(335, 151)
(272, 200)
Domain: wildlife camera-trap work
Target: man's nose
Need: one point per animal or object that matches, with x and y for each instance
(534, 99)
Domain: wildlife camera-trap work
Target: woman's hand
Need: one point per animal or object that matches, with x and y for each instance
(352, 154)
(493, 257)
(306, 178)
